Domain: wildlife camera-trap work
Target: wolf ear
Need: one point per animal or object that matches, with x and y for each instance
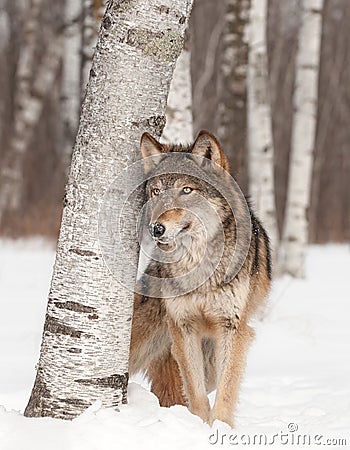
(150, 147)
(207, 146)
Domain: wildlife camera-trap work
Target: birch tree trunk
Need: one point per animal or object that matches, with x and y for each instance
(179, 124)
(303, 138)
(260, 143)
(232, 89)
(85, 344)
(71, 97)
(282, 35)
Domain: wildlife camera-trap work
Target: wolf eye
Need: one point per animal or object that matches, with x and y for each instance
(156, 191)
(187, 190)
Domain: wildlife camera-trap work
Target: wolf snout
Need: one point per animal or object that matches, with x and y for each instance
(156, 229)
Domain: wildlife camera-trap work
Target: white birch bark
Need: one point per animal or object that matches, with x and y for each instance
(179, 124)
(260, 143)
(91, 20)
(295, 235)
(85, 345)
(71, 74)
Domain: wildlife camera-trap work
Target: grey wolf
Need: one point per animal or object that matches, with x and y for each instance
(195, 339)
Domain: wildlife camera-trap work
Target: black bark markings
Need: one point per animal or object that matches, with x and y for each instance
(157, 123)
(119, 6)
(75, 402)
(112, 381)
(107, 22)
(163, 9)
(53, 325)
(93, 316)
(115, 381)
(75, 306)
(81, 252)
(74, 350)
(36, 404)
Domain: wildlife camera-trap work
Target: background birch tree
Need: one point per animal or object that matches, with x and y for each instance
(219, 46)
(5, 33)
(206, 27)
(71, 78)
(232, 88)
(82, 22)
(179, 125)
(283, 23)
(30, 99)
(260, 140)
(295, 236)
(329, 211)
(26, 106)
(85, 344)
(92, 12)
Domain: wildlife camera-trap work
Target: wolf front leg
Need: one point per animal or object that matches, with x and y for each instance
(233, 341)
(187, 350)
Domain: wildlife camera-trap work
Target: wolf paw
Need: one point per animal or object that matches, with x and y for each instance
(202, 411)
(222, 416)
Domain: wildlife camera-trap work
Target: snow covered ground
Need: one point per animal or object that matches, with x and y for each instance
(297, 381)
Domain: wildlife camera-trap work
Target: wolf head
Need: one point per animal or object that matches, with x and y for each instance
(181, 202)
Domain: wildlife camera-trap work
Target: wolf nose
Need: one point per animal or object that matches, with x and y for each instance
(157, 229)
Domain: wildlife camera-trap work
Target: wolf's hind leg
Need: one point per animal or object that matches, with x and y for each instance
(166, 381)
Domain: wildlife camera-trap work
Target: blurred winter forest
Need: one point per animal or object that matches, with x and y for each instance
(45, 53)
